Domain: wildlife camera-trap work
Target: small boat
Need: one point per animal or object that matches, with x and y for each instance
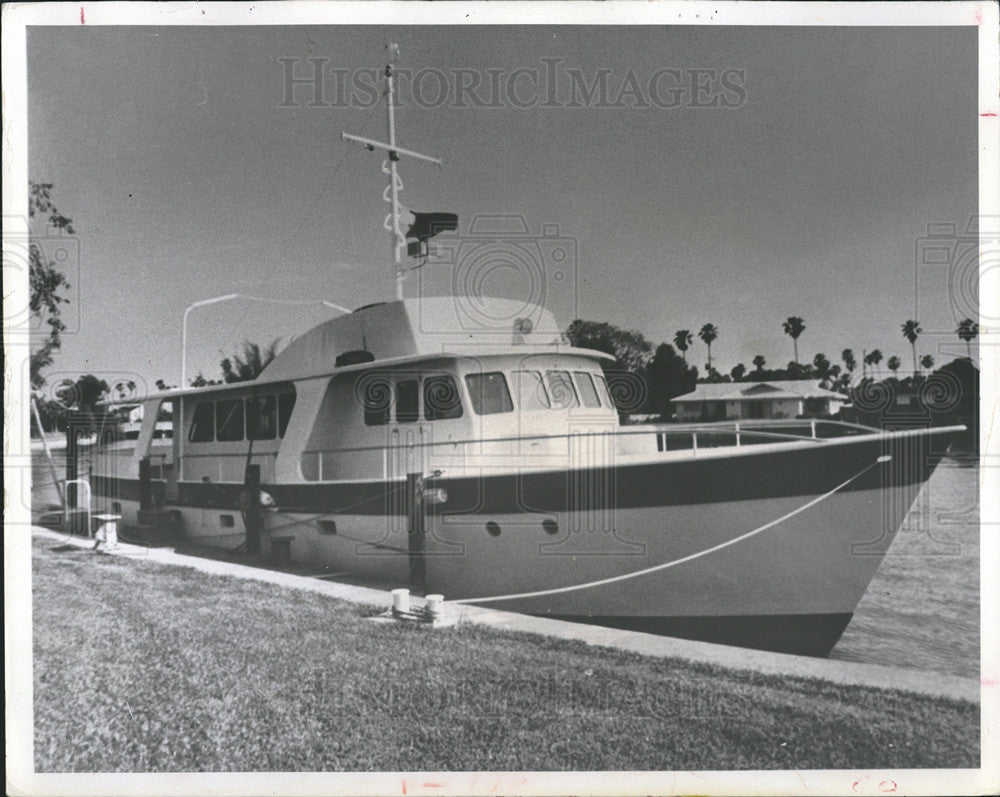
(481, 457)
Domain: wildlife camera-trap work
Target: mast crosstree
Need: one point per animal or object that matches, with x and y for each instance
(389, 167)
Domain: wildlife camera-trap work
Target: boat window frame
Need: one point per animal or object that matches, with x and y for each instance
(541, 383)
(605, 391)
(412, 415)
(237, 403)
(579, 376)
(439, 414)
(375, 384)
(285, 415)
(196, 420)
(476, 393)
(259, 399)
(567, 379)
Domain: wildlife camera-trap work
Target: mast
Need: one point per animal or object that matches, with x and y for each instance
(389, 167)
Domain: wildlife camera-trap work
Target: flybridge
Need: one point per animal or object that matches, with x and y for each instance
(415, 328)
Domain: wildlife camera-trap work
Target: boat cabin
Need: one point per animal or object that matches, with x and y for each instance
(393, 388)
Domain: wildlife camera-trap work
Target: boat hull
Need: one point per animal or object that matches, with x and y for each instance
(769, 547)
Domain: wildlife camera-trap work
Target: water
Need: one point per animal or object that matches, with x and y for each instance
(921, 609)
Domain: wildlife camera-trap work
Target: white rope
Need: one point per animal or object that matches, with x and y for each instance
(675, 562)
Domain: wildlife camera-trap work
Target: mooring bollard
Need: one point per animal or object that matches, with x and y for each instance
(400, 602)
(107, 533)
(433, 607)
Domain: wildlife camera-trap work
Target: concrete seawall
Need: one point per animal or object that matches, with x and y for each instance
(779, 664)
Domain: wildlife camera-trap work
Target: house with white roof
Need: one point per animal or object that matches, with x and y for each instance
(779, 398)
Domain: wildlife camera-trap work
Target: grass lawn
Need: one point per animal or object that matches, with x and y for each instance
(143, 667)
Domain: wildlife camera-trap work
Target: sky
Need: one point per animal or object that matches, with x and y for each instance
(189, 172)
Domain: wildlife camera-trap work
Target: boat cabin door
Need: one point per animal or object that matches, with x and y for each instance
(408, 435)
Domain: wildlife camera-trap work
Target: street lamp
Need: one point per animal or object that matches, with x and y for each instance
(202, 303)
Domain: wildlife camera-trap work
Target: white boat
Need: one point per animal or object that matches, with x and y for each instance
(482, 458)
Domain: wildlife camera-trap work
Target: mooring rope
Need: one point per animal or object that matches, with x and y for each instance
(675, 562)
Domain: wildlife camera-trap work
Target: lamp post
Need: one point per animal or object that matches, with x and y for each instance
(180, 401)
(202, 303)
(335, 306)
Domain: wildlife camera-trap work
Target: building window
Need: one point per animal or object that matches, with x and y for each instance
(489, 393)
(441, 399)
(561, 390)
(530, 390)
(229, 420)
(202, 423)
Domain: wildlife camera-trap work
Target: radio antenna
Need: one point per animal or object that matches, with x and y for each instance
(389, 167)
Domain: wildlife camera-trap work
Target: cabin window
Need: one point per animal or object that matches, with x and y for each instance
(605, 392)
(229, 420)
(441, 399)
(407, 398)
(585, 387)
(286, 402)
(261, 418)
(561, 390)
(489, 393)
(202, 423)
(531, 393)
(376, 396)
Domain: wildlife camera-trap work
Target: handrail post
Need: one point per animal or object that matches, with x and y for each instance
(694, 441)
(812, 425)
(737, 434)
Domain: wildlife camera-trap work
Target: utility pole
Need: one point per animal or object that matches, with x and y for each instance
(391, 193)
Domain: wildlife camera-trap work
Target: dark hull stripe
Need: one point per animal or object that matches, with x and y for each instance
(802, 634)
(775, 474)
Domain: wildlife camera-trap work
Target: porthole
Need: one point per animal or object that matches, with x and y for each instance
(550, 527)
(493, 529)
(328, 527)
(227, 521)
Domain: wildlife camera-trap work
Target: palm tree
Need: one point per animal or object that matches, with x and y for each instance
(759, 362)
(927, 362)
(873, 358)
(911, 331)
(822, 365)
(250, 362)
(708, 333)
(683, 339)
(794, 326)
(967, 331)
(893, 363)
(849, 362)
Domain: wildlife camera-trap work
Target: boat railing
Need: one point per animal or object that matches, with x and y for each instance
(675, 436)
(323, 464)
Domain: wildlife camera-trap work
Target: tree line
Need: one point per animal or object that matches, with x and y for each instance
(661, 374)
(643, 379)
